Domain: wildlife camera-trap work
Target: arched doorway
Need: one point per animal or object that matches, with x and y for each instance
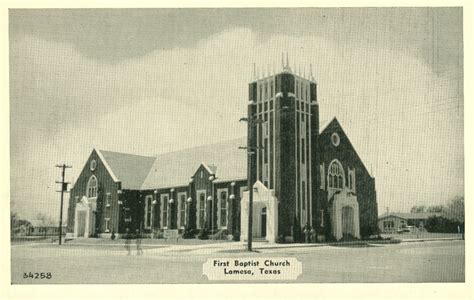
(84, 217)
(344, 215)
(263, 221)
(348, 222)
(81, 223)
(264, 214)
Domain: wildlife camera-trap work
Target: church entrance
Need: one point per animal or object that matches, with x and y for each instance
(344, 215)
(264, 222)
(84, 217)
(347, 222)
(81, 223)
(264, 214)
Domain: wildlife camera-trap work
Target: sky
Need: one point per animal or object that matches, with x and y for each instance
(149, 81)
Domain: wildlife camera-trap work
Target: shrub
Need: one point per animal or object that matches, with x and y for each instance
(366, 231)
(203, 234)
(281, 239)
(157, 234)
(442, 225)
(113, 235)
(236, 236)
(188, 233)
(330, 238)
(220, 235)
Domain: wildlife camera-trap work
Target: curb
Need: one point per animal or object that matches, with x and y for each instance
(374, 243)
(431, 240)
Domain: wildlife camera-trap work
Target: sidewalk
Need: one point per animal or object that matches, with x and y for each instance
(431, 239)
(260, 245)
(206, 249)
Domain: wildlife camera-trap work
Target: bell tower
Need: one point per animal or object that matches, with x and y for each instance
(286, 135)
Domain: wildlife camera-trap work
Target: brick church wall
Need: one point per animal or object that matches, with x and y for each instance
(106, 184)
(364, 183)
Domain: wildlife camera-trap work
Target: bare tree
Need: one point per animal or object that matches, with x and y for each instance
(455, 209)
(418, 209)
(44, 220)
(436, 209)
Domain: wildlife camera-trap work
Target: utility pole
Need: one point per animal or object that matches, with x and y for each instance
(252, 121)
(62, 191)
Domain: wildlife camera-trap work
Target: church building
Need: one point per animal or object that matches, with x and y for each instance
(301, 175)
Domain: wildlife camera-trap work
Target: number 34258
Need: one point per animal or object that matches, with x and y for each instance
(42, 275)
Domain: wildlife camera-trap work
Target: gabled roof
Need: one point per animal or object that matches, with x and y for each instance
(211, 169)
(131, 170)
(224, 159)
(325, 124)
(409, 216)
(334, 120)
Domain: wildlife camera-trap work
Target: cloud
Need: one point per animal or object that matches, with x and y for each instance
(404, 120)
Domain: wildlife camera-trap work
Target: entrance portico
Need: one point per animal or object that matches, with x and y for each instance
(84, 220)
(344, 212)
(265, 214)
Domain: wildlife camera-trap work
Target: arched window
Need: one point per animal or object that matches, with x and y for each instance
(335, 175)
(92, 187)
(148, 211)
(222, 207)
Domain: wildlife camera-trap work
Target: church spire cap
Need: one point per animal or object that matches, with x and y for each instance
(286, 67)
(311, 72)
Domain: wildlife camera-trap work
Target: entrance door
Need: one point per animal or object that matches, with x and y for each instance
(201, 208)
(81, 223)
(173, 215)
(347, 221)
(264, 222)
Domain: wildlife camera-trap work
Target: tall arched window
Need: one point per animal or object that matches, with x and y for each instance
(336, 175)
(92, 187)
(222, 207)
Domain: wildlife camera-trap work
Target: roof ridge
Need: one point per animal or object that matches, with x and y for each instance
(199, 146)
(124, 153)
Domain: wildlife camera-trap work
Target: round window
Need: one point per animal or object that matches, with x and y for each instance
(93, 165)
(335, 139)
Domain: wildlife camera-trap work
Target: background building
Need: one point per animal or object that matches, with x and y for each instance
(391, 222)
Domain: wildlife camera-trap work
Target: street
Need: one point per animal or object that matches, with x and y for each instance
(433, 261)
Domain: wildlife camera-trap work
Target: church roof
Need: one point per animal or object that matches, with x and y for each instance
(336, 122)
(224, 159)
(325, 124)
(131, 170)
